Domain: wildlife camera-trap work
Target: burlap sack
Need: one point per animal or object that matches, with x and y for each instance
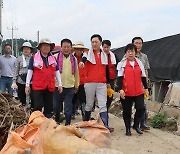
(44, 136)
(95, 132)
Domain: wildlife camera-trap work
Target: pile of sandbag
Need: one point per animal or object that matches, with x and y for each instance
(12, 115)
(43, 136)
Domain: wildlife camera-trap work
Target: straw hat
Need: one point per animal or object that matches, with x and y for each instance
(79, 45)
(46, 41)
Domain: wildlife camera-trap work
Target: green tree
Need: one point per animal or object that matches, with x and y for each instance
(17, 43)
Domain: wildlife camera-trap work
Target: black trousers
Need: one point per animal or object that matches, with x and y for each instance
(127, 106)
(66, 97)
(80, 97)
(43, 98)
(22, 94)
(110, 99)
(75, 103)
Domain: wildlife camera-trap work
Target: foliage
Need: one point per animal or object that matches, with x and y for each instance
(159, 120)
(17, 43)
(171, 124)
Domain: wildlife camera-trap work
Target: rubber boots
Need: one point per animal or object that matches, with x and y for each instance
(83, 111)
(143, 125)
(127, 123)
(87, 115)
(136, 125)
(68, 119)
(104, 117)
(48, 115)
(59, 118)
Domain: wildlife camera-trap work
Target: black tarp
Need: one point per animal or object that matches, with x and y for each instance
(164, 58)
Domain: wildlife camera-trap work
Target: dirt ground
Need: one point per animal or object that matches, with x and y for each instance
(154, 141)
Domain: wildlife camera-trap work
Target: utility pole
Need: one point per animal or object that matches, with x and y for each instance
(38, 36)
(1, 36)
(17, 53)
(12, 29)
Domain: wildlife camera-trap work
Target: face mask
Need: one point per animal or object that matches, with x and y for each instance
(7, 51)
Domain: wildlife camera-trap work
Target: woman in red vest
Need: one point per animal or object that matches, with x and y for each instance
(42, 70)
(132, 85)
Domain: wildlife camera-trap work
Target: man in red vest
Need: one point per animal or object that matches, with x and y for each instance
(42, 70)
(110, 70)
(95, 83)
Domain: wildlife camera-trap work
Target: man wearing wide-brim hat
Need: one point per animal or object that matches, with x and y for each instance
(46, 41)
(79, 48)
(43, 70)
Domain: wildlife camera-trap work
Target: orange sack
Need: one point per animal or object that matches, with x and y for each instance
(44, 136)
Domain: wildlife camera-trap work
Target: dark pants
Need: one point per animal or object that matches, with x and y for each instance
(144, 118)
(110, 99)
(22, 94)
(66, 96)
(127, 106)
(82, 98)
(57, 106)
(75, 103)
(43, 98)
(79, 97)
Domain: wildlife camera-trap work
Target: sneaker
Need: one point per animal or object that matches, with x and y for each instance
(111, 129)
(144, 128)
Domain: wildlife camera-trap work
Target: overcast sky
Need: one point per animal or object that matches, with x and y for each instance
(116, 20)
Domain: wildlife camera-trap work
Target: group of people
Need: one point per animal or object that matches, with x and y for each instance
(57, 82)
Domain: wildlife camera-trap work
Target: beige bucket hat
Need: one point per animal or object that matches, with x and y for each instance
(79, 45)
(46, 41)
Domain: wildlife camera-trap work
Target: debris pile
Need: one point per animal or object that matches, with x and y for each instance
(12, 116)
(116, 108)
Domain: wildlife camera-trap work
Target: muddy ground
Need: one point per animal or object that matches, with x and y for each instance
(154, 141)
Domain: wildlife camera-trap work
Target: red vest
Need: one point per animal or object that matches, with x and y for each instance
(81, 71)
(95, 72)
(112, 69)
(132, 82)
(44, 78)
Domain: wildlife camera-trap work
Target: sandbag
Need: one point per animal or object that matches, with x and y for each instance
(95, 132)
(44, 136)
(17, 144)
(63, 139)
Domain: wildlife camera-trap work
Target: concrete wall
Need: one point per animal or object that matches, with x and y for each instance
(159, 90)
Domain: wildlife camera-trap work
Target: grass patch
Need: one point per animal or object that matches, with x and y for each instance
(159, 120)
